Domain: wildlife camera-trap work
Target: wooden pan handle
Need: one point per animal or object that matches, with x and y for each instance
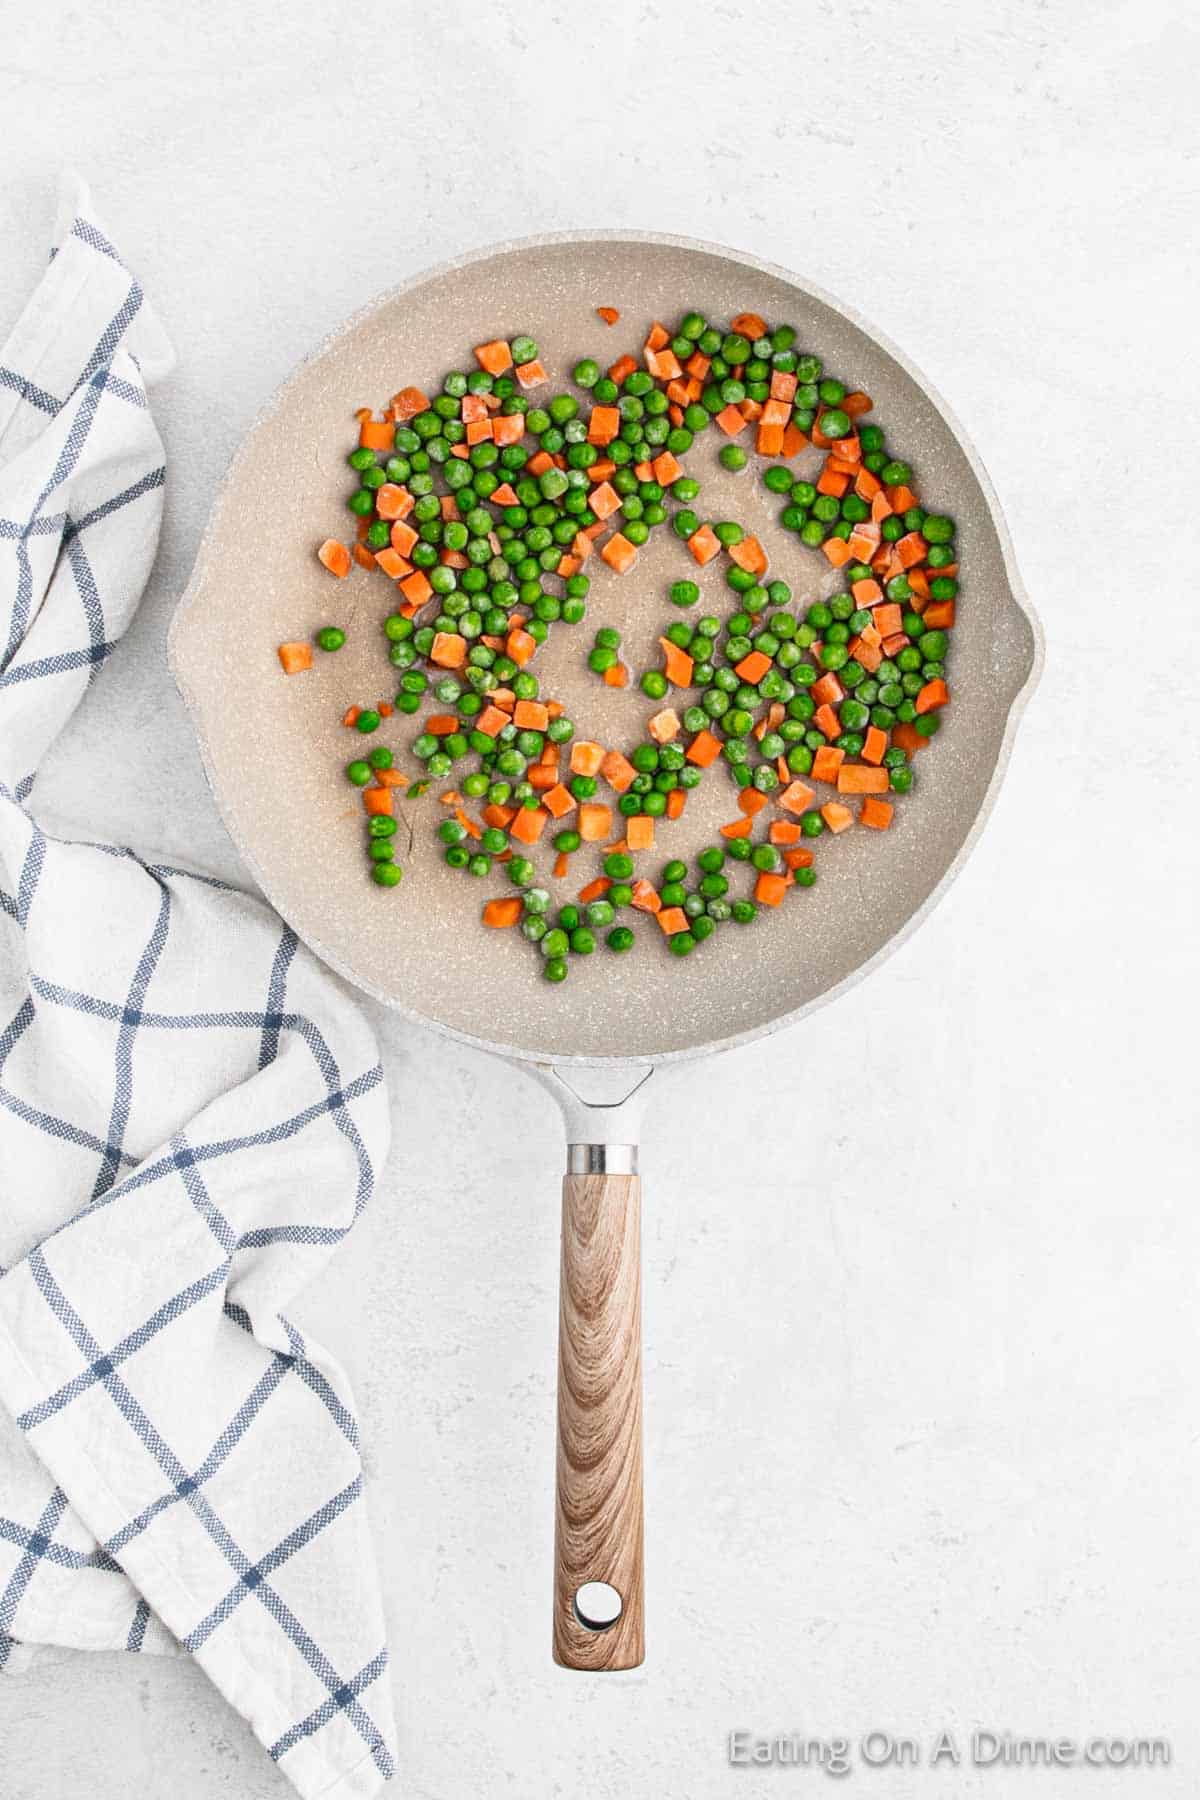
(598, 1518)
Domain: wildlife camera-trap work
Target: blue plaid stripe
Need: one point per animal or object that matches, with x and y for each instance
(36, 1545)
(29, 391)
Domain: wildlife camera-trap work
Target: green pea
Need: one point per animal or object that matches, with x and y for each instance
(620, 938)
(387, 874)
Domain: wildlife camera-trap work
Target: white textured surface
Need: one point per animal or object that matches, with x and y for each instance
(920, 1283)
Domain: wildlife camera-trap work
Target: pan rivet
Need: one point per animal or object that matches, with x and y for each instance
(597, 1606)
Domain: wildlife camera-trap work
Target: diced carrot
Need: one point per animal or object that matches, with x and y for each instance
(784, 832)
(375, 436)
(645, 897)
(377, 801)
(595, 821)
(769, 440)
(826, 763)
(931, 696)
(495, 357)
(335, 556)
(664, 726)
(794, 440)
(831, 483)
(530, 715)
(738, 828)
(520, 646)
(836, 816)
(595, 890)
(704, 544)
(753, 667)
(864, 540)
(604, 424)
(529, 824)
(491, 720)
(751, 801)
(403, 537)
(698, 365)
(796, 797)
(617, 770)
(749, 325)
(827, 688)
(875, 813)
(416, 587)
(749, 555)
(471, 826)
(542, 778)
(617, 676)
(408, 403)
(826, 720)
(837, 551)
(531, 374)
(508, 429)
(562, 864)
(861, 778)
(499, 816)
(663, 365)
(295, 658)
(479, 431)
(609, 314)
(887, 618)
(499, 913)
(364, 558)
(658, 336)
(866, 591)
(619, 553)
(441, 724)
(769, 890)
(704, 749)
(604, 500)
(351, 715)
(677, 664)
(783, 386)
(911, 549)
(393, 564)
(666, 467)
(672, 919)
(874, 745)
(624, 365)
(586, 757)
(449, 650)
(867, 654)
(676, 801)
(639, 832)
(939, 615)
(731, 421)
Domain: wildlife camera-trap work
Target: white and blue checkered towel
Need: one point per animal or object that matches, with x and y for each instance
(191, 1118)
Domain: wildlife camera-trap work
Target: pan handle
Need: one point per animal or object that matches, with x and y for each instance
(598, 1570)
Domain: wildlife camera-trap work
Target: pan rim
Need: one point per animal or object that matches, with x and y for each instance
(176, 660)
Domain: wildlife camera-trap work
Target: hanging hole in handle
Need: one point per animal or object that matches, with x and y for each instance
(597, 1606)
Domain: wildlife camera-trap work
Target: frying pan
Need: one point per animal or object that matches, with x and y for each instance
(602, 1041)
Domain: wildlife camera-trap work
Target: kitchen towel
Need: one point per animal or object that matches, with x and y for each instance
(192, 1115)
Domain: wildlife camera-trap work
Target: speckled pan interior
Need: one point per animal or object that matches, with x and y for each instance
(274, 748)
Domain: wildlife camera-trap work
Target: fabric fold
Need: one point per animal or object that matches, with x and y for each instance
(192, 1116)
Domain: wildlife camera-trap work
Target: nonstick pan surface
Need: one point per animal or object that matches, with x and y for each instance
(274, 748)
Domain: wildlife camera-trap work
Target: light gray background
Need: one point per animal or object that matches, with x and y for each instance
(921, 1305)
